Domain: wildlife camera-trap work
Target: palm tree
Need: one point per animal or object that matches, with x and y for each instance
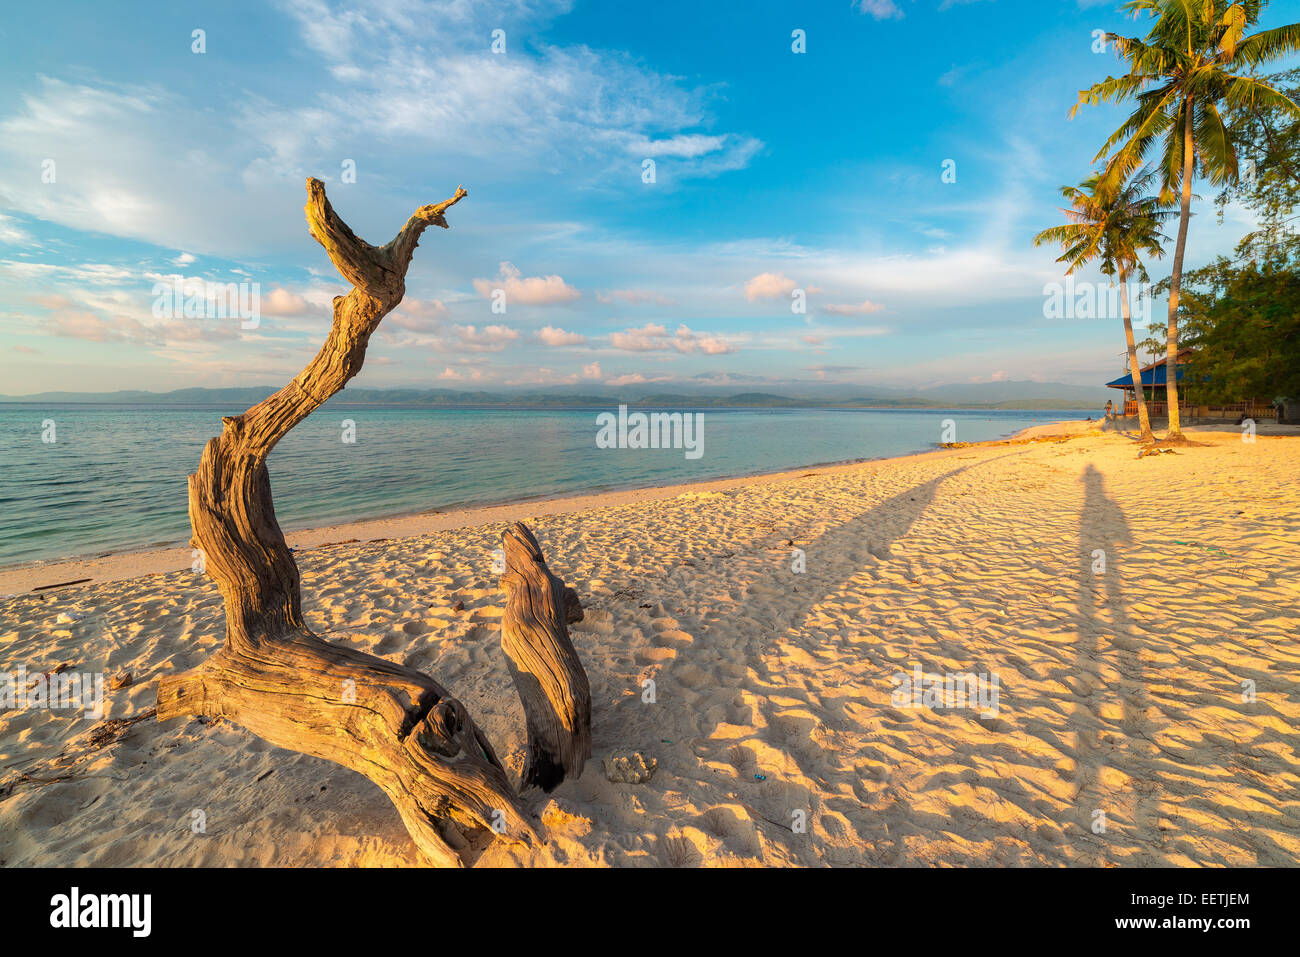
(1188, 69)
(1117, 227)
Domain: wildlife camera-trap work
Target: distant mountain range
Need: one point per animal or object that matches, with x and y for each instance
(989, 395)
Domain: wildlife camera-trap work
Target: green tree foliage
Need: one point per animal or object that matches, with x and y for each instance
(1268, 142)
(1244, 323)
(1242, 315)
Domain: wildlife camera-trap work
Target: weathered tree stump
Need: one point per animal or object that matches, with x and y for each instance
(395, 725)
(543, 662)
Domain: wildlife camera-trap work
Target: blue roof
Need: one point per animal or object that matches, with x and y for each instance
(1153, 376)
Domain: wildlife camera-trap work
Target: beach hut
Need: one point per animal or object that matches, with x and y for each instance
(1154, 377)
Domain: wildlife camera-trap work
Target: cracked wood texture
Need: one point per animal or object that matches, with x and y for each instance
(543, 662)
(274, 677)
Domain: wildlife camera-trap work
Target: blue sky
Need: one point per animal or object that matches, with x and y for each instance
(774, 170)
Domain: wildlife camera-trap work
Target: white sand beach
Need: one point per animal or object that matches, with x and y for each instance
(1125, 734)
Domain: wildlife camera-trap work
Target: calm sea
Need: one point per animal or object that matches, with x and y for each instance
(114, 478)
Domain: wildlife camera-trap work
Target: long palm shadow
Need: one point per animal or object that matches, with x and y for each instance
(841, 553)
(837, 554)
(835, 557)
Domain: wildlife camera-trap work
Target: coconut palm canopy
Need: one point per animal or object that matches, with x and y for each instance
(1189, 70)
(1117, 225)
(1192, 63)
(1116, 228)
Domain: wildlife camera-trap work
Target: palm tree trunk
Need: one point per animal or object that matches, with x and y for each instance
(1175, 281)
(1144, 419)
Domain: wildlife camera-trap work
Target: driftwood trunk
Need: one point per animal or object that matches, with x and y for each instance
(395, 725)
(543, 662)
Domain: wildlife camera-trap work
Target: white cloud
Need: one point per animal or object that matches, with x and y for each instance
(417, 315)
(10, 233)
(860, 309)
(653, 337)
(527, 290)
(82, 324)
(953, 76)
(552, 336)
(93, 273)
(416, 73)
(542, 377)
(282, 302)
(636, 378)
(425, 71)
(768, 285)
(451, 375)
(649, 338)
(119, 169)
(635, 297)
(99, 302)
(487, 339)
(685, 145)
(881, 9)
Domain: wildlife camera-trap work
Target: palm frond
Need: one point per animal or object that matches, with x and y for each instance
(1217, 152)
(1266, 45)
(1249, 93)
(1115, 225)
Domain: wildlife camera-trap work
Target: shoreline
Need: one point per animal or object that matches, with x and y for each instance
(132, 563)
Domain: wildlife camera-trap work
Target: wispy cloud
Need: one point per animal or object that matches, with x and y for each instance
(419, 73)
(635, 297)
(858, 309)
(11, 234)
(419, 70)
(418, 315)
(488, 339)
(881, 9)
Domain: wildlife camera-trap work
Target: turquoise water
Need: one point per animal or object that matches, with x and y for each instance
(115, 476)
